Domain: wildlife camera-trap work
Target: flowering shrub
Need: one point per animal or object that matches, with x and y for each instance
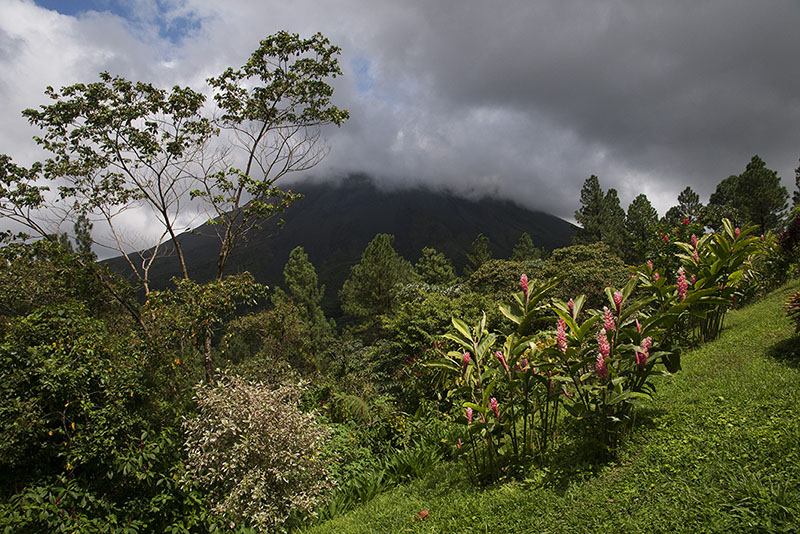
(255, 454)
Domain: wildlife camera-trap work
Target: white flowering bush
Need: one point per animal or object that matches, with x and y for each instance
(254, 454)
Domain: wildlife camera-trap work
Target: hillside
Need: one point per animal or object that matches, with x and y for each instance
(718, 451)
(334, 223)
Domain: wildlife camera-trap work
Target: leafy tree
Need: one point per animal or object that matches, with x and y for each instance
(273, 108)
(479, 254)
(589, 216)
(370, 289)
(525, 249)
(689, 204)
(116, 144)
(434, 268)
(673, 216)
(585, 269)
(640, 223)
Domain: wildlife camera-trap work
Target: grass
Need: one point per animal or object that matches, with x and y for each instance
(718, 451)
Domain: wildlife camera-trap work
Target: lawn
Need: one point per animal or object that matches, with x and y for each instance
(717, 451)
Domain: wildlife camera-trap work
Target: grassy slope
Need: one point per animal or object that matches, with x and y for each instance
(718, 451)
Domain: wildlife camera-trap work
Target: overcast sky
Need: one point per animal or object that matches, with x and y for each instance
(518, 99)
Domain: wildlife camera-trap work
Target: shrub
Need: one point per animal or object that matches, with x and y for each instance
(255, 454)
(584, 269)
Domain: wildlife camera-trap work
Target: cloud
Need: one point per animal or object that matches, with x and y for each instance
(517, 99)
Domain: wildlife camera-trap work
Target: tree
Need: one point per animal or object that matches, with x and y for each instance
(525, 249)
(673, 216)
(434, 268)
(479, 255)
(370, 289)
(757, 194)
(590, 213)
(796, 194)
(118, 144)
(273, 107)
(612, 229)
(640, 223)
(689, 204)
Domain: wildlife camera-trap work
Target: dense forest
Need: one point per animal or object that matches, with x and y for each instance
(227, 405)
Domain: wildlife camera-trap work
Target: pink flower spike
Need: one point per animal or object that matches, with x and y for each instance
(647, 344)
(695, 257)
(638, 326)
(459, 443)
(641, 360)
(566, 393)
(762, 237)
(523, 283)
(682, 285)
(465, 359)
(561, 336)
(480, 418)
(602, 370)
(694, 241)
(493, 406)
(499, 356)
(655, 277)
(469, 415)
(737, 232)
(523, 365)
(694, 279)
(603, 345)
(571, 306)
(608, 320)
(650, 264)
(618, 301)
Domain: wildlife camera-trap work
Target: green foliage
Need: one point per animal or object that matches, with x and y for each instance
(689, 204)
(585, 269)
(525, 250)
(371, 289)
(255, 455)
(640, 223)
(497, 276)
(793, 309)
(757, 194)
(479, 254)
(434, 268)
(589, 216)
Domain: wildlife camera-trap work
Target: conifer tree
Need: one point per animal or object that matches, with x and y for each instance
(640, 222)
(303, 287)
(689, 204)
(434, 268)
(590, 213)
(525, 249)
(480, 254)
(371, 288)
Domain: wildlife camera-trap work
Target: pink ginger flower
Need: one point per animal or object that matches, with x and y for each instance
(571, 306)
(618, 301)
(566, 393)
(641, 360)
(480, 418)
(695, 257)
(694, 279)
(459, 443)
(523, 283)
(603, 344)
(493, 406)
(602, 370)
(608, 320)
(737, 232)
(694, 241)
(762, 237)
(561, 336)
(638, 326)
(682, 285)
(686, 221)
(647, 344)
(655, 277)
(469, 415)
(499, 356)
(523, 365)
(465, 359)
(650, 264)
(665, 238)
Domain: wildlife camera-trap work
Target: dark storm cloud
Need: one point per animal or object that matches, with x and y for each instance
(518, 99)
(520, 96)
